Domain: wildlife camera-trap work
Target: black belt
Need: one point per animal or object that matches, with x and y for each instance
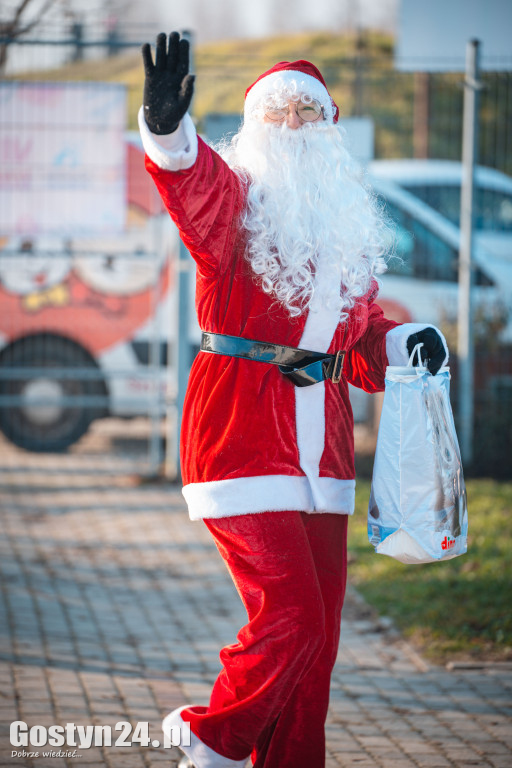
(301, 366)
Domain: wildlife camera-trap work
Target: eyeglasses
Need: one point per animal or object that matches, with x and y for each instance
(309, 113)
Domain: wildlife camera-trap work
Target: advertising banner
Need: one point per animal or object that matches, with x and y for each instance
(62, 158)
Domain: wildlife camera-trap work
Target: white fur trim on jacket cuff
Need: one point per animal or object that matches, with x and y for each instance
(197, 751)
(396, 342)
(174, 151)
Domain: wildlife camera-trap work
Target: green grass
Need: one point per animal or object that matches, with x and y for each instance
(453, 610)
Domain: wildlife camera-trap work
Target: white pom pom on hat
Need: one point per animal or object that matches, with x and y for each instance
(303, 75)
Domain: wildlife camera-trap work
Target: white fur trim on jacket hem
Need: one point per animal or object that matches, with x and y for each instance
(268, 493)
(174, 151)
(396, 342)
(201, 755)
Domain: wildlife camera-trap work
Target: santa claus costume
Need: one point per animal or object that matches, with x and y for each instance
(266, 464)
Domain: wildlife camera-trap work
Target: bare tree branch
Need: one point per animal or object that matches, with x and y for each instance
(14, 27)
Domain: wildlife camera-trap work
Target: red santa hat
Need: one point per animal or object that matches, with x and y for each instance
(296, 76)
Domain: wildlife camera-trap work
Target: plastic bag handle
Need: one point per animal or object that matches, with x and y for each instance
(414, 351)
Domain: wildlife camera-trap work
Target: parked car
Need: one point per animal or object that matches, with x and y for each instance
(422, 197)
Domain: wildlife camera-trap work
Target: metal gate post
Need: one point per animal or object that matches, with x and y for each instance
(155, 358)
(465, 341)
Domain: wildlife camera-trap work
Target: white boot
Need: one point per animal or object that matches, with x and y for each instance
(197, 753)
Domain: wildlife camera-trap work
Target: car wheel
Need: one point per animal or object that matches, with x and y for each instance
(41, 421)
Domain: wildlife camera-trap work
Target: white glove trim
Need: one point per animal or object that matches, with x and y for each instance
(396, 342)
(173, 151)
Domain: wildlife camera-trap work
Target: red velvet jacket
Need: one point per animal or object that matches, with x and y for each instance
(251, 441)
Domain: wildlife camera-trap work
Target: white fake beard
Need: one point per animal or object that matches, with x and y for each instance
(306, 208)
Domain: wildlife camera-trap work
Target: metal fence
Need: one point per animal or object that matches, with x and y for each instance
(415, 114)
(90, 330)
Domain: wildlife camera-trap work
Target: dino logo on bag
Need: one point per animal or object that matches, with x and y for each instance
(448, 542)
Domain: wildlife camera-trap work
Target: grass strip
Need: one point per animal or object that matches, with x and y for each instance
(454, 610)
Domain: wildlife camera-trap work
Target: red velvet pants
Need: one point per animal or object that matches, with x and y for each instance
(272, 694)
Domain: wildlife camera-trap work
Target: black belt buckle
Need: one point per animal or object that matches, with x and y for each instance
(337, 368)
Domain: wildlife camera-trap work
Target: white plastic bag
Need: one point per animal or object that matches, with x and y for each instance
(418, 507)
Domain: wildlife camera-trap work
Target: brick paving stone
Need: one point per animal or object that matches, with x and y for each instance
(91, 756)
(489, 747)
(502, 761)
(432, 761)
(114, 607)
(396, 763)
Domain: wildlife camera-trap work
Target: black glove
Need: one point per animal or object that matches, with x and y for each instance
(432, 351)
(168, 87)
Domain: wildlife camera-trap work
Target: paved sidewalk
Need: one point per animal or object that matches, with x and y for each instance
(114, 607)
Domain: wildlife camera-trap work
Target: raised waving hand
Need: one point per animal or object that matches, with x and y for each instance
(168, 86)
